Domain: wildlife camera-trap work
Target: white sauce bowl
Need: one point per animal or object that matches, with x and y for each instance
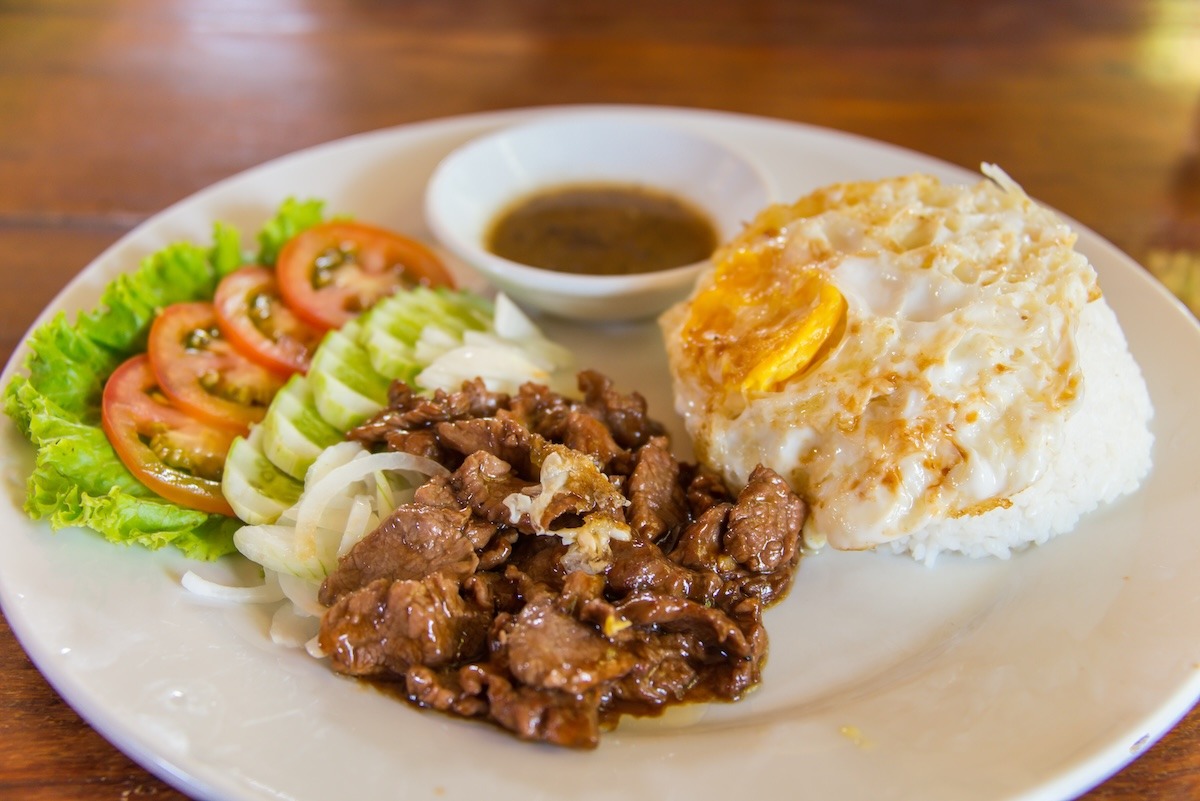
(479, 180)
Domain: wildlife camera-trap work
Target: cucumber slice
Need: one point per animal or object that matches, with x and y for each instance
(405, 314)
(391, 330)
(257, 490)
(341, 355)
(338, 403)
(293, 432)
(389, 356)
(346, 388)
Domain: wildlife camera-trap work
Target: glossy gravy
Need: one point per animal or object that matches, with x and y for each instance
(602, 229)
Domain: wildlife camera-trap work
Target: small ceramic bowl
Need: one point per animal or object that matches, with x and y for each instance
(479, 180)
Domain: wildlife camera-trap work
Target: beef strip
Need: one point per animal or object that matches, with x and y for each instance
(699, 545)
(419, 442)
(657, 500)
(764, 524)
(503, 437)
(584, 432)
(704, 489)
(531, 713)
(551, 650)
(537, 561)
(386, 627)
(437, 491)
(625, 415)
(541, 410)
(409, 410)
(640, 567)
(441, 690)
(498, 549)
(414, 541)
(662, 673)
(482, 483)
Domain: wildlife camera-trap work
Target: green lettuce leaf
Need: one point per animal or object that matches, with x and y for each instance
(77, 478)
(293, 217)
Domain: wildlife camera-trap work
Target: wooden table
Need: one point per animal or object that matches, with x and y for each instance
(111, 111)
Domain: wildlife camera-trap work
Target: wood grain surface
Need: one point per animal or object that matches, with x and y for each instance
(110, 111)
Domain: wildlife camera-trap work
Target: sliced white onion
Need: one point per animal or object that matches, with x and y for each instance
(291, 630)
(267, 592)
(502, 368)
(360, 522)
(332, 458)
(317, 496)
(385, 494)
(512, 324)
(282, 549)
(314, 649)
(302, 594)
(433, 342)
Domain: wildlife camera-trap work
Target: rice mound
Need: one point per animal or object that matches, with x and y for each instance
(1105, 454)
(934, 367)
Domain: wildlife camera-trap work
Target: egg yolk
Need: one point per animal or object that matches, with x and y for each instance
(757, 327)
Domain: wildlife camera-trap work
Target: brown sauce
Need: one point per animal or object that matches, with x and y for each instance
(602, 229)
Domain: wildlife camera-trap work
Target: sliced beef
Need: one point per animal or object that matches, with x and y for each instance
(549, 649)
(488, 589)
(482, 483)
(415, 541)
(419, 442)
(530, 713)
(704, 489)
(699, 545)
(764, 524)
(765, 587)
(383, 629)
(537, 561)
(641, 567)
(709, 625)
(662, 673)
(542, 411)
(657, 500)
(410, 410)
(441, 690)
(498, 549)
(437, 491)
(585, 433)
(732, 678)
(502, 437)
(625, 415)
(565, 571)
(579, 589)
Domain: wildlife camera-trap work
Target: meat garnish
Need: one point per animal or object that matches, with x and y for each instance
(568, 570)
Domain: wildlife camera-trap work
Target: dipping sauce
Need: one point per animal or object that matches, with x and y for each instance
(602, 229)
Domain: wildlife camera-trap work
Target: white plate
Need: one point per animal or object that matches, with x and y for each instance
(1031, 678)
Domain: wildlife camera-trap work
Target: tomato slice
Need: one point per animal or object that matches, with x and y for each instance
(332, 272)
(253, 317)
(168, 450)
(202, 373)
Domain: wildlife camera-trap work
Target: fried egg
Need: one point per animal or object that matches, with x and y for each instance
(903, 351)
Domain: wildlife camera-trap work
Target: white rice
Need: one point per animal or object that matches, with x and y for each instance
(1106, 453)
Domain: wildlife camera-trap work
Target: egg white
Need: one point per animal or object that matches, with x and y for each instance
(951, 383)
